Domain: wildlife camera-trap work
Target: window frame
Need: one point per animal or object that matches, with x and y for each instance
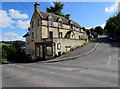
(50, 50)
(58, 46)
(50, 22)
(60, 34)
(60, 24)
(37, 51)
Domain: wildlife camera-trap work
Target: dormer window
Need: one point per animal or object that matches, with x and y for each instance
(60, 24)
(50, 22)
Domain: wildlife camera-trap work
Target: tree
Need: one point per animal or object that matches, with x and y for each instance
(113, 25)
(56, 9)
(99, 30)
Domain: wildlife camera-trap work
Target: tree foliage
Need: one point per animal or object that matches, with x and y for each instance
(99, 30)
(15, 52)
(113, 24)
(56, 9)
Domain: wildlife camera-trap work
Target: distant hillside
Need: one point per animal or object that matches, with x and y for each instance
(22, 43)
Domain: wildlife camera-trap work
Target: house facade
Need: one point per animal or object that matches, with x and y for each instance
(51, 35)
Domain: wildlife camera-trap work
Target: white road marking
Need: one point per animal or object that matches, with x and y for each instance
(108, 65)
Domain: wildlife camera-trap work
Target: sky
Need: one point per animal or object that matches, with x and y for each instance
(15, 16)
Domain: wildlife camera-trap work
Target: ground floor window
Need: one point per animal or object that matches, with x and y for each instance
(49, 50)
(37, 51)
(59, 46)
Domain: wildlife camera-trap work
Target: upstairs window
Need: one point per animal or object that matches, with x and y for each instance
(38, 23)
(50, 22)
(32, 25)
(60, 24)
(60, 34)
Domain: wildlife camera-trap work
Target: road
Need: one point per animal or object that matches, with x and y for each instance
(97, 69)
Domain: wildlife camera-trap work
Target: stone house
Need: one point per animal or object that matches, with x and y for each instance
(51, 35)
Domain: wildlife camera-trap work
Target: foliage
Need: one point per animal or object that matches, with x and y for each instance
(99, 30)
(15, 52)
(56, 9)
(113, 25)
(8, 52)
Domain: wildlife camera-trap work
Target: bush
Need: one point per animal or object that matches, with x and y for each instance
(15, 52)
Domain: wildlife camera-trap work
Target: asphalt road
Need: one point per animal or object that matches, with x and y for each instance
(97, 69)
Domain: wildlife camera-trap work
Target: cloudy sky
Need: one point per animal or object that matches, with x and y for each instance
(16, 16)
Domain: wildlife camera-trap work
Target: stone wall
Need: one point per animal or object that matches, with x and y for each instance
(66, 43)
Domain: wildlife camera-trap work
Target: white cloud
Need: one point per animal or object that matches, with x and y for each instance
(10, 34)
(103, 25)
(19, 38)
(88, 27)
(6, 21)
(15, 14)
(112, 8)
(23, 24)
(51, 3)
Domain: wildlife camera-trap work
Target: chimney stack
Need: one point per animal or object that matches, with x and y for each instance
(36, 6)
(67, 16)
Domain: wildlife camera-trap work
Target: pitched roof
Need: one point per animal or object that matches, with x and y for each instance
(56, 17)
(27, 34)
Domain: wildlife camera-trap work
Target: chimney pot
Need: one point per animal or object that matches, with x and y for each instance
(36, 6)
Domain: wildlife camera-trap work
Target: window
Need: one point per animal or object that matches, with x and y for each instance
(37, 51)
(32, 25)
(38, 22)
(59, 46)
(60, 24)
(50, 22)
(49, 50)
(32, 35)
(60, 34)
(71, 26)
(51, 34)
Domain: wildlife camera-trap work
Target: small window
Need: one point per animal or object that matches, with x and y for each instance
(50, 22)
(32, 24)
(49, 50)
(60, 34)
(38, 22)
(59, 46)
(32, 35)
(60, 24)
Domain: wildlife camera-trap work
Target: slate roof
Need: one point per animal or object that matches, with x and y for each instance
(56, 17)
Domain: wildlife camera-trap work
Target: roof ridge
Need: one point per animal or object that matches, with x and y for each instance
(53, 14)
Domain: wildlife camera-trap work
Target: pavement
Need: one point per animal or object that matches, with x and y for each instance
(82, 51)
(97, 69)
